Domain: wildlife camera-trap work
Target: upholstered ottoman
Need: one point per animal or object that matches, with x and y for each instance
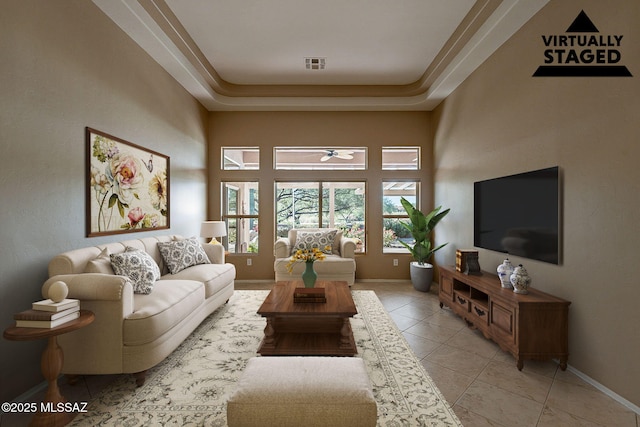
(303, 391)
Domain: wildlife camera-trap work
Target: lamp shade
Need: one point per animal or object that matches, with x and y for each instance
(213, 229)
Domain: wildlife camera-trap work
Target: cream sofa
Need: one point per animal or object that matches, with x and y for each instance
(339, 265)
(133, 332)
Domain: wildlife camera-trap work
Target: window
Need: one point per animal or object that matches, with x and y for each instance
(320, 158)
(240, 158)
(321, 205)
(241, 215)
(393, 213)
(400, 158)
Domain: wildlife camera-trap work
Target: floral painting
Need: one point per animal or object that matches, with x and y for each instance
(127, 186)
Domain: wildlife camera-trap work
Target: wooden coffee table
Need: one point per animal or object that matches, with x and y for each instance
(308, 329)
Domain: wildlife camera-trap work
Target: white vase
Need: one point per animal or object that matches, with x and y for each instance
(520, 280)
(505, 270)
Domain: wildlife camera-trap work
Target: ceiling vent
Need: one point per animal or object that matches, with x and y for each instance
(314, 63)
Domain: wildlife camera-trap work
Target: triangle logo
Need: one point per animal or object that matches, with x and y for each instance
(582, 52)
(582, 24)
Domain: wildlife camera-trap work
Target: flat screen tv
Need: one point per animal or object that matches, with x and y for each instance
(520, 215)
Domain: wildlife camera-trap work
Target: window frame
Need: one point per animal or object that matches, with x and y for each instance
(323, 222)
(238, 148)
(396, 216)
(398, 148)
(239, 215)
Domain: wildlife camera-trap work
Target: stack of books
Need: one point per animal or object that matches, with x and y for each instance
(48, 314)
(309, 295)
(467, 260)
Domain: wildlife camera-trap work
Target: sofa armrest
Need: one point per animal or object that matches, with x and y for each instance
(214, 252)
(96, 287)
(97, 348)
(282, 248)
(347, 247)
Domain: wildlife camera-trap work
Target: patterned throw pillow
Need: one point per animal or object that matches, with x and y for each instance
(139, 267)
(315, 239)
(180, 254)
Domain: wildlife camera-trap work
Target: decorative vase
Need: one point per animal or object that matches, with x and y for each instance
(505, 270)
(309, 276)
(520, 280)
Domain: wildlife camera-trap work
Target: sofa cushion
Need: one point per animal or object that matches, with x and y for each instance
(180, 254)
(335, 249)
(139, 267)
(214, 276)
(321, 239)
(153, 315)
(100, 264)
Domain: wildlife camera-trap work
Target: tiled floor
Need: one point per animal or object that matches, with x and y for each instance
(482, 382)
(478, 379)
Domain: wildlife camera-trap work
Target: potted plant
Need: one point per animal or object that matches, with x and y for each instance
(420, 228)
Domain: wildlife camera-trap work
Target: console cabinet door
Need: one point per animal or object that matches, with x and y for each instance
(446, 287)
(503, 323)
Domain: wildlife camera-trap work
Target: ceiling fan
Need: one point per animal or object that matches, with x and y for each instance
(340, 154)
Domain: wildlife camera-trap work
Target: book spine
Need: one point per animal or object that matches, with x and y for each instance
(44, 315)
(47, 324)
(48, 305)
(309, 299)
(302, 295)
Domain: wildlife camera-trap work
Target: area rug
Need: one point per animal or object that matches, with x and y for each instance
(191, 386)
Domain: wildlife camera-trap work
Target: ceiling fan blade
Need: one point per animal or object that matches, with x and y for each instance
(344, 156)
(325, 158)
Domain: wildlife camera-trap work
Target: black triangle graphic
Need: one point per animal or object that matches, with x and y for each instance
(582, 24)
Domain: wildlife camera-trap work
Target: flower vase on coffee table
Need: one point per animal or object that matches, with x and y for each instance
(309, 276)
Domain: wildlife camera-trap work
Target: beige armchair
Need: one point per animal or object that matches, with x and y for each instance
(339, 265)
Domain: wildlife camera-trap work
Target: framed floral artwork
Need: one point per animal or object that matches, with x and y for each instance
(127, 186)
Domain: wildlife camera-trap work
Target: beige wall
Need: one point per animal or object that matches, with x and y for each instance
(503, 121)
(333, 129)
(64, 66)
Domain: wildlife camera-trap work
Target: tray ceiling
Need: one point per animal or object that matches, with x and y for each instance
(320, 55)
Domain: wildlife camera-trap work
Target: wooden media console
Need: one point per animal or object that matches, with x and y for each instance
(531, 326)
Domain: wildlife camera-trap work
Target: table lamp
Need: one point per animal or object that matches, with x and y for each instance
(213, 229)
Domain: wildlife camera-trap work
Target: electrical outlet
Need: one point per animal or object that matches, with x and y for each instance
(249, 260)
(395, 262)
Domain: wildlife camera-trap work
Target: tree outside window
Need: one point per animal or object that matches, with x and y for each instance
(322, 205)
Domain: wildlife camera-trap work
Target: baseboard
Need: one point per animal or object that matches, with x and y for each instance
(28, 395)
(615, 396)
(246, 281)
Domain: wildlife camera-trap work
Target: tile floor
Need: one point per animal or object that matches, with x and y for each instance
(479, 380)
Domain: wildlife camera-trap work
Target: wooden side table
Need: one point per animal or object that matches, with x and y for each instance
(51, 364)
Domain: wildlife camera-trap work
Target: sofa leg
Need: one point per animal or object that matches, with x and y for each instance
(140, 378)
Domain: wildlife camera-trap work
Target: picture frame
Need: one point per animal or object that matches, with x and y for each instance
(127, 186)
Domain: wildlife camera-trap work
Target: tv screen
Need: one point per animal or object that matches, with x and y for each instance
(519, 215)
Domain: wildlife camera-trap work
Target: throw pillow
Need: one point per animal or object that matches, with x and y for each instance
(100, 264)
(315, 239)
(139, 267)
(180, 254)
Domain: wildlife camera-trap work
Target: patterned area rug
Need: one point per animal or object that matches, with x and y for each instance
(191, 386)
